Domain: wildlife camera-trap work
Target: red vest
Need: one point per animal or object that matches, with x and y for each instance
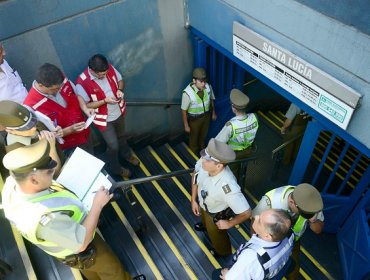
(64, 117)
(95, 93)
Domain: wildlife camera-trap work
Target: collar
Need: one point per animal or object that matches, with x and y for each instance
(92, 77)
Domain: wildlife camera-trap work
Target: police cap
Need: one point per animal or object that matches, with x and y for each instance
(29, 158)
(218, 151)
(199, 73)
(238, 99)
(16, 116)
(307, 198)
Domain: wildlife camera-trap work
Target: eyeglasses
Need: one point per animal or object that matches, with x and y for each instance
(201, 80)
(305, 215)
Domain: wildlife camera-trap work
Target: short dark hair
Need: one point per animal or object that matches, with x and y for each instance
(98, 63)
(49, 75)
(280, 226)
(20, 177)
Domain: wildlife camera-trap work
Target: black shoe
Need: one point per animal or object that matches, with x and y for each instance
(199, 227)
(140, 277)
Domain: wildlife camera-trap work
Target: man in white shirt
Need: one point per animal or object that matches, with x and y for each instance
(266, 253)
(11, 85)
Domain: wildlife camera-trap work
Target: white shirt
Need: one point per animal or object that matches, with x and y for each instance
(222, 191)
(114, 111)
(11, 85)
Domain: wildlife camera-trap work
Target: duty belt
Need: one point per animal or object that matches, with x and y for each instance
(197, 116)
(226, 214)
(82, 260)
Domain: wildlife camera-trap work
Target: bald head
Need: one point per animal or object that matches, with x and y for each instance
(272, 225)
(277, 223)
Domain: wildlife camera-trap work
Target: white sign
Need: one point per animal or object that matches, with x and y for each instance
(323, 93)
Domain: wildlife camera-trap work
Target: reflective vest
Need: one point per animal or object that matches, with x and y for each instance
(95, 93)
(28, 215)
(198, 106)
(243, 132)
(277, 197)
(272, 258)
(63, 117)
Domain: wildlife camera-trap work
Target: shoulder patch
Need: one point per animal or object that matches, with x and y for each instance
(45, 219)
(226, 189)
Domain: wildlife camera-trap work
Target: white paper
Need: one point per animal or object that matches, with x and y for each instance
(48, 123)
(101, 180)
(80, 172)
(89, 120)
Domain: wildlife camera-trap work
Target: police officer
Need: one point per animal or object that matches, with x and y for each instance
(217, 197)
(24, 128)
(197, 104)
(266, 253)
(239, 133)
(294, 125)
(304, 205)
(53, 218)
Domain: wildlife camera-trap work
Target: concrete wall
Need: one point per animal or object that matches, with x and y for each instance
(338, 49)
(145, 40)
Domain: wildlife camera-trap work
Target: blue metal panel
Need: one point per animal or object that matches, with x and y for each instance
(335, 169)
(307, 145)
(354, 239)
(22, 15)
(338, 202)
(329, 125)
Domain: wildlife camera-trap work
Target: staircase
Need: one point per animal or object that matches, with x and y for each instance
(150, 228)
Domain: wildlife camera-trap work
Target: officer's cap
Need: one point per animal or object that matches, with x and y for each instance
(238, 99)
(218, 151)
(199, 73)
(29, 158)
(16, 116)
(308, 198)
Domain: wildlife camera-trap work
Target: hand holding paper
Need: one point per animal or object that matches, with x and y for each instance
(89, 120)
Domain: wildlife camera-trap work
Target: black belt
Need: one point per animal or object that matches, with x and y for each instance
(225, 214)
(197, 116)
(82, 260)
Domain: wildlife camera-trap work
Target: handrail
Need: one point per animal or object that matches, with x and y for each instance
(126, 185)
(282, 146)
(152, 103)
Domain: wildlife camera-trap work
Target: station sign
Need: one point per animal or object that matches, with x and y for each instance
(322, 92)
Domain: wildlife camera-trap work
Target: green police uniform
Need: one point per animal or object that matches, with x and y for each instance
(239, 133)
(197, 104)
(307, 198)
(52, 218)
(218, 193)
(20, 118)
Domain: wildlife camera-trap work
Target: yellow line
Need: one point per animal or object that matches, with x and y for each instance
(281, 120)
(24, 255)
(304, 274)
(268, 119)
(164, 234)
(179, 215)
(190, 151)
(76, 274)
(318, 265)
(137, 241)
(161, 230)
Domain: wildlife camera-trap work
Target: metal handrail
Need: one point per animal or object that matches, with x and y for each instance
(282, 146)
(126, 185)
(152, 103)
